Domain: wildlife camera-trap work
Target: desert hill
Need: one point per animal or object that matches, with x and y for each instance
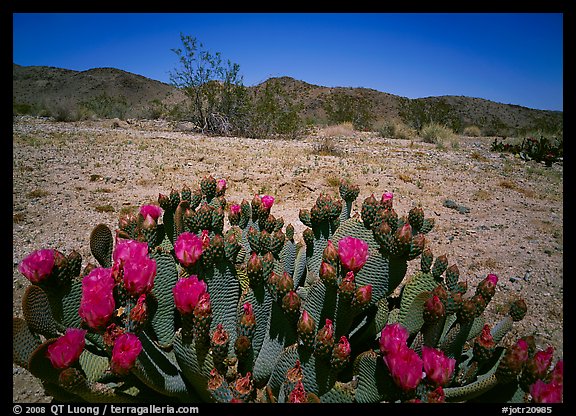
(49, 89)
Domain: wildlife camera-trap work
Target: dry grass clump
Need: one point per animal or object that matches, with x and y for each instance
(436, 133)
(338, 130)
(472, 131)
(395, 129)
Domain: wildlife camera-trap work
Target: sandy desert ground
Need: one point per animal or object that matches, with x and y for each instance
(68, 177)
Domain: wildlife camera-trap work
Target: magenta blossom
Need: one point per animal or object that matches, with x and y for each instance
(387, 198)
(67, 348)
(393, 338)
(139, 273)
(153, 211)
(38, 265)
(353, 253)
(405, 367)
(97, 302)
(542, 392)
(124, 354)
(127, 249)
(438, 368)
(187, 293)
(221, 186)
(267, 201)
(235, 209)
(557, 374)
(542, 361)
(188, 248)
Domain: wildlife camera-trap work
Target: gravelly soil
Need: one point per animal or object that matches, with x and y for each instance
(65, 174)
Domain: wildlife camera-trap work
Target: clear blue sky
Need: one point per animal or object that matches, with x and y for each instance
(511, 58)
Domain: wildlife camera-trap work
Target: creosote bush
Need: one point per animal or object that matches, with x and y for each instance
(194, 299)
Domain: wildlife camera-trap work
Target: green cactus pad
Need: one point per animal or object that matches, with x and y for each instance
(37, 312)
(101, 245)
(374, 384)
(159, 371)
(162, 320)
(94, 366)
(419, 283)
(24, 342)
(196, 364)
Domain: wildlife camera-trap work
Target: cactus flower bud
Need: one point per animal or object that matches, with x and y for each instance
(518, 310)
(353, 253)
(341, 353)
(416, 218)
(433, 309)
(221, 185)
(247, 320)
(484, 345)
(291, 303)
(330, 254)
(124, 353)
(67, 349)
(327, 274)
(188, 248)
(405, 367)
(348, 191)
(324, 341)
(38, 265)
(369, 211)
(387, 200)
(436, 396)
(97, 303)
(487, 287)
(393, 337)
(306, 328)
(362, 297)
(298, 394)
(187, 293)
(244, 386)
(440, 266)
(347, 286)
(215, 380)
(254, 269)
(242, 346)
(234, 214)
(219, 343)
(438, 368)
(426, 260)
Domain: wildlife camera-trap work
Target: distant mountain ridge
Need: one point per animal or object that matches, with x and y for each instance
(50, 87)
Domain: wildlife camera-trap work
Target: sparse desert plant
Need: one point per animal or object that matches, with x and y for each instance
(437, 134)
(195, 300)
(472, 131)
(396, 130)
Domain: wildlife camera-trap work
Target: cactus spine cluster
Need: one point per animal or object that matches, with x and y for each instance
(195, 307)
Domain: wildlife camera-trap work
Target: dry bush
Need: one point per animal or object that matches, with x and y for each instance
(472, 131)
(338, 130)
(437, 134)
(394, 129)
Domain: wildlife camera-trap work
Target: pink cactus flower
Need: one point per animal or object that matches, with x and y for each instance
(221, 186)
(187, 293)
(153, 211)
(542, 392)
(438, 368)
(67, 348)
(125, 353)
(393, 338)
(557, 374)
(353, 253)
(38, 265)
(128, 249)
(139, 274)
(267, 201)
(492, 278)
(188, 248)
(387, 198)
(97, 302)
(342, 349)
(235, 209)
(542, 361)
(405, 367)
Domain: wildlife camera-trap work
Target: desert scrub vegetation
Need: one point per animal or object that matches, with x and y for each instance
(437, 134)
(472, 131)
(394, 129)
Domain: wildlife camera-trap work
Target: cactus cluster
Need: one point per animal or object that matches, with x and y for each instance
(200, 300)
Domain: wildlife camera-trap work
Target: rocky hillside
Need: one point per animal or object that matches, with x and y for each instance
(49, 89)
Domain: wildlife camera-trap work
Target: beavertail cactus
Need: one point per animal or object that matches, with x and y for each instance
(184, 305)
